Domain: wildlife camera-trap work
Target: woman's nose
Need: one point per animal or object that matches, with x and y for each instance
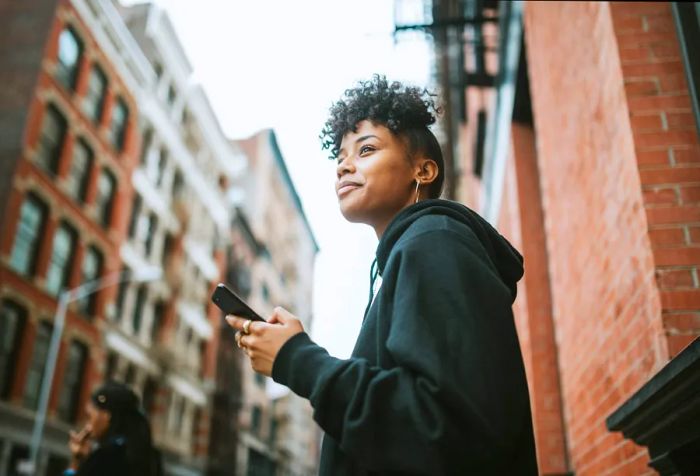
(345, 166)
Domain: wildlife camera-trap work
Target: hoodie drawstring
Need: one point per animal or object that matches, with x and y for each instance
(373, 271)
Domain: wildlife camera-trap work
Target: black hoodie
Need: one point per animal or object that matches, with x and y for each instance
(436, 383)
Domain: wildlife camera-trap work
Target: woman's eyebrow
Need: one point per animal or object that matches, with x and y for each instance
(363, 138)
(359, 139)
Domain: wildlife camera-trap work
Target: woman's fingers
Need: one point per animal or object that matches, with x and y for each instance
(84, 433)
(239, 323)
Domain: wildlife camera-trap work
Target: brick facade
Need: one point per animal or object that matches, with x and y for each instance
(601, 195)
(28, 176)
(668, 157)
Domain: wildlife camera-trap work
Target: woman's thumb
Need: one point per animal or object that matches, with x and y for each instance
(281, 315)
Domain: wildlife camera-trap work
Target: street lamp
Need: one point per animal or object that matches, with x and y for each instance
(146, 274)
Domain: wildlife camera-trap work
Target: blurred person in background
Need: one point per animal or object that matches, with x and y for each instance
(116, 440)
(436, 383)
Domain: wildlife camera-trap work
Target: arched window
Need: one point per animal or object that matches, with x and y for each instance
(70, 50)
(32, 218)
(61, 264)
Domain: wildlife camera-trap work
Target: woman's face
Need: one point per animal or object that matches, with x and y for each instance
(97, 420)
(375, 178)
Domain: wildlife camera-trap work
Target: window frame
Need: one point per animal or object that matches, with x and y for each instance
(11, 346)
(87, 305)
(687, 19)
(94, 107)
(139, 308)
(29, 268)
(68, 261)
(117, 135)
(36, 366)
(105, 206)
(69, 397)
(78, 186)
(49, 157)
(68, 75)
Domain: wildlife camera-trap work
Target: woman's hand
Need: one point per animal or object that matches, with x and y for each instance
(265, 339)
(79, 445)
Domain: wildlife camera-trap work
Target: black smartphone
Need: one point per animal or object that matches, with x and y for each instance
(230, 303)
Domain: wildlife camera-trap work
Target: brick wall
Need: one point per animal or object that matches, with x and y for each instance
(28, 176)
(534, 316)
(605, 302)
(668, 156)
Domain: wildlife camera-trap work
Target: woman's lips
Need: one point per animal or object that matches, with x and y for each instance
(347, 188)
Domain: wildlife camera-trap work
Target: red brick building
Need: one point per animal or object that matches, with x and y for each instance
(573, 127)
(69, 145)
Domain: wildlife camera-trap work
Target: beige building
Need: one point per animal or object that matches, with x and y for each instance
(278, 435)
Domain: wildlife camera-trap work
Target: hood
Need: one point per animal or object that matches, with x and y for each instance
(507, 260)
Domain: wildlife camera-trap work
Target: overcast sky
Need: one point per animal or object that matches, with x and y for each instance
(281, 64)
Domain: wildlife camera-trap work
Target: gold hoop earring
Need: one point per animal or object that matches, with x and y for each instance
(417, 192)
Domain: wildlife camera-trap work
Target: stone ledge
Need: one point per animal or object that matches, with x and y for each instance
(664, 415)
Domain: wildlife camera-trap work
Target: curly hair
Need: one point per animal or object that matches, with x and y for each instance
(406, 111)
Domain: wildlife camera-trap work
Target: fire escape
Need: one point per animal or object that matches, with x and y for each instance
(473, 42)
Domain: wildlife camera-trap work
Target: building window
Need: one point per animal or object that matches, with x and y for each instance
(94, 102)
(158, 318)
(35, 374)
(150, 391)
(91, 270)
(111, 366)
(178, 186)
(162, 162)
(151, 232)
(177, 408)
(121, 297)
(171, 95)
(255, 418)
(146, 144)
(70, 49)
(29, 230)
(72, 382)
(79, 174)
(12, 318)
(139, 306)
(117, 130)
(53, 132)
(18, 453)
(158, 69)
(135, 215)
(168, 245)
(687, 19)
(130, 374)
(61, 258)
(273, 430)
(106, 186)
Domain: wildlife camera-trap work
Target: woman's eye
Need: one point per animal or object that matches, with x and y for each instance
(366, 148)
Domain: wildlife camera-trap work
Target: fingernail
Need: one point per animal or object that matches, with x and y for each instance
(229, 318)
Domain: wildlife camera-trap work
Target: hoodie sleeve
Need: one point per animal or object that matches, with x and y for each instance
(451, 398)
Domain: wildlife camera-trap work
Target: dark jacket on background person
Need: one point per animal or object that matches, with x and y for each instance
(436, 383)
(107, 459)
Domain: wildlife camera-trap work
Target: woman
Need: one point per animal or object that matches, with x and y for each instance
(116, 439)
(435, 384)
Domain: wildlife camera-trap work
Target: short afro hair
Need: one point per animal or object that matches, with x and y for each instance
(406, 111)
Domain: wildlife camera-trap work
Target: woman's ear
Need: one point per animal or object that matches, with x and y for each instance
(426, 171)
